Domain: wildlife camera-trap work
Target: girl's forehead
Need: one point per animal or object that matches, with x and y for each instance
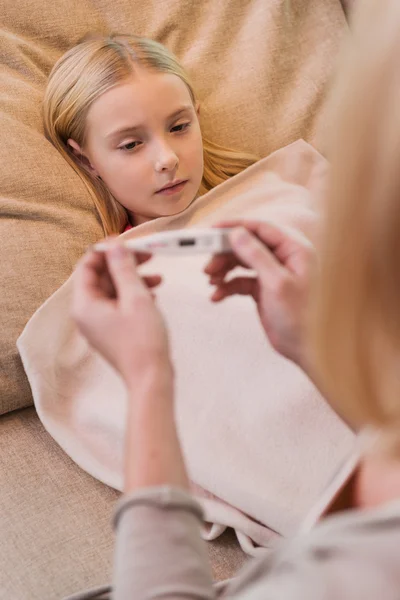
(144, 97)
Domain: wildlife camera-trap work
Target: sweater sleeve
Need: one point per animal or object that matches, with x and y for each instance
(159, 549)
(160, 555)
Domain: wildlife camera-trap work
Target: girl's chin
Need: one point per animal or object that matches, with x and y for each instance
(168, 209)
(176, 208)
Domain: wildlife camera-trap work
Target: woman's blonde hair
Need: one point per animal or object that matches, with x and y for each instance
(356, 322)
(84, 73)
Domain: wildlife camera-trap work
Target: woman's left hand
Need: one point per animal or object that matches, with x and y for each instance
(283, 264)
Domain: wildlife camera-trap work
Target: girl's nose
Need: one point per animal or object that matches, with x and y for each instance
(166, 160)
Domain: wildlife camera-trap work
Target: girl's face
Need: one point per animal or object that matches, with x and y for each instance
(143, 139)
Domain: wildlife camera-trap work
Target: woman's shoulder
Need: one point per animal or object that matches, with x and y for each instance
(356, 524)
(351, 555)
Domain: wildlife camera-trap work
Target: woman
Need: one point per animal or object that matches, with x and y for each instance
(352, 354)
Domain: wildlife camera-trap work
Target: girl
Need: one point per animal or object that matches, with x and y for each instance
(122, 111)
(355, 360)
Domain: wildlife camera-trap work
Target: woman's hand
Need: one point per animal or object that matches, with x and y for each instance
(283, 266)
(114, 309)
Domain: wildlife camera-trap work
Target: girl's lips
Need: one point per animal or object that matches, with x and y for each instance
(174, 189)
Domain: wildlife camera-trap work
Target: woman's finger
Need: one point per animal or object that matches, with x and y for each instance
(88, 275)
(107, 285)
(255, 226)
(270, 235)
(142, 257)
(152, 281)
(255, 255)
(243, 286)
(127, 282)
(221, 263)
(286, 244)
(112, 240)
(88, 292)
(106, 281)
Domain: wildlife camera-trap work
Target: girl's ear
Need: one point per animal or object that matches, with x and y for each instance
(198, 109)
(81, 156)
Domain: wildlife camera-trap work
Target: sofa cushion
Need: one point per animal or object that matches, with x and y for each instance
(55, 519)
(261, 69)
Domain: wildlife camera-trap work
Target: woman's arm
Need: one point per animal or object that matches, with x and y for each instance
(160, 553)
(152, 451)
(159, 550)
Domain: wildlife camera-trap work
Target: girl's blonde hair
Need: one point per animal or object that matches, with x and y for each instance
(88, 70)
(356, 322)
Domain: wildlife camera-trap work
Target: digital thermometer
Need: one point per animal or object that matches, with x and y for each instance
(179, 242)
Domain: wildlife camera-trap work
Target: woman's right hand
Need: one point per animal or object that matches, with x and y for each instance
(283, 264)
(114, 309)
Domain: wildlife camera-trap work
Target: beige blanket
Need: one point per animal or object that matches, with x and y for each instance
(259, 441)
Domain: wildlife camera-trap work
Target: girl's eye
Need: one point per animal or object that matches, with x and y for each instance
(180, 128)
(130, 146)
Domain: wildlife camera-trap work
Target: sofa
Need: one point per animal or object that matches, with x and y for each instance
(263, 71)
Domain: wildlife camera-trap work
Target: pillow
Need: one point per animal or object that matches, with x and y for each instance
(261, 69)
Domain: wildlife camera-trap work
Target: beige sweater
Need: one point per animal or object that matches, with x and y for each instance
(160, 555)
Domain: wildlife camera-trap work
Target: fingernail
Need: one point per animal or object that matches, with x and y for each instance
(118, 252)
(239, 235)
(214, 279)
(217, 295)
